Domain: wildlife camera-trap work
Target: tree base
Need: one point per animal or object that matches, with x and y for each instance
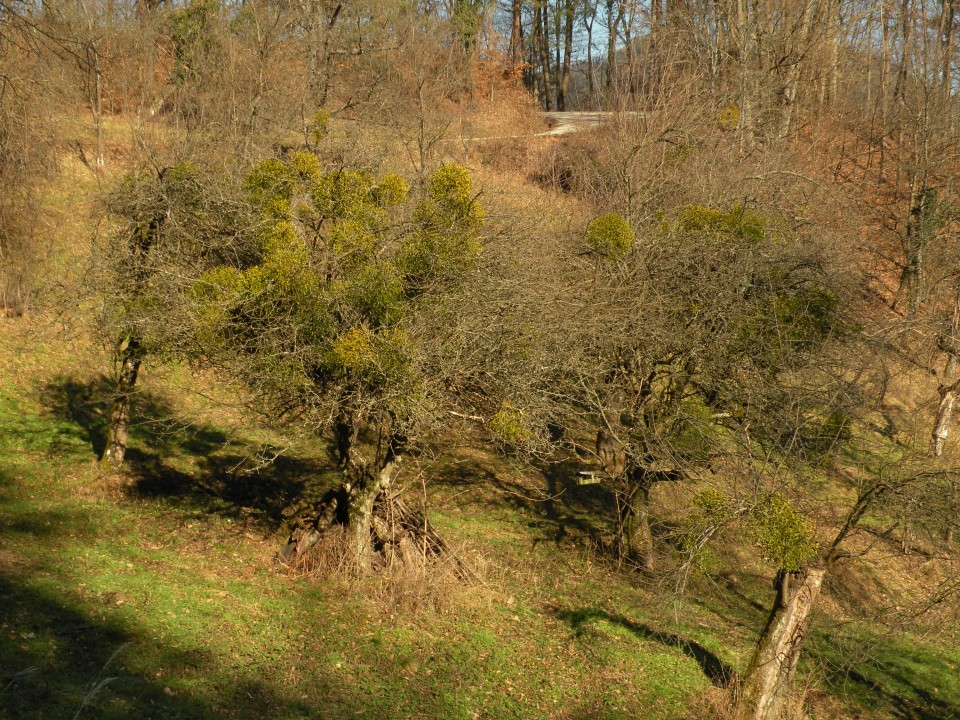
(399, 537)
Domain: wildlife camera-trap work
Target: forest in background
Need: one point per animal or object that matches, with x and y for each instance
(726, 323)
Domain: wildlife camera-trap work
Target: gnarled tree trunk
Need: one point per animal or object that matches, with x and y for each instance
(378, 524)
(361, 494)
(636, 536)
(130, 357)
(765, 686)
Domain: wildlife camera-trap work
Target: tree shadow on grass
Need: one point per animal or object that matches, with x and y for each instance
(219, 485)
(53, 657)
(64, 655)
(893, 675)
(564, 511)
(61, 657)
(86, 404)
(74, 651)
(719, 672)
(192, 464)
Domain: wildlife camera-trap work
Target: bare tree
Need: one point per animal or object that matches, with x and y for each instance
(27, 152)
(175, 222)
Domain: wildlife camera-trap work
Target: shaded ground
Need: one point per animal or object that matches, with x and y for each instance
(193, 463)
(719, 672)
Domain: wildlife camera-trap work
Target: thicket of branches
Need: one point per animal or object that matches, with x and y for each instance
(762, 243)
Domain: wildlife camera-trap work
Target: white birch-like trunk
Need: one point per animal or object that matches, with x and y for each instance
(948, 385)
(765, 687)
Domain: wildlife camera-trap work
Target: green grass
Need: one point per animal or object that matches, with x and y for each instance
(163, 582)
(154, 594)
(901, 675)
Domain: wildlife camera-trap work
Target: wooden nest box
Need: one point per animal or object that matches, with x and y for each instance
(589, 477)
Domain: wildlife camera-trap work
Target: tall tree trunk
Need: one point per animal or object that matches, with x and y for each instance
(542, 30)
(630, 48)
(746, 42)
(321, 55)
(791, 84)
(914, 241)
(719, 49)
(516, 34)
(656, 18)
(588, 22)
(613, 25)
(831, 78)
(95, 73)
(766, 684)
(557, 49)
(945, 46)
(129, 357)
(569, 7)
(949, 382)
(903, 72)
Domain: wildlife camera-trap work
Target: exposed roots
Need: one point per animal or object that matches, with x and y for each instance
(402, 540)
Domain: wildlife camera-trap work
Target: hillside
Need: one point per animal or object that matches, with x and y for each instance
(156, 592)
(334, 383)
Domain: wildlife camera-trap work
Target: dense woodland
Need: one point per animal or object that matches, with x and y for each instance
(731, 312)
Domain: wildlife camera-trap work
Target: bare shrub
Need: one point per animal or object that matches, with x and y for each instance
(409, 572)
(330, 555)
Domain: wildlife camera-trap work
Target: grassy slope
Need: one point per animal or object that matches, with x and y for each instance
(154, 594)
(168, 571)
(181, 587)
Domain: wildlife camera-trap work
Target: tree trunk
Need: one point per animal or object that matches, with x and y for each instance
(562, 95)
(834, 40)
(945, 45)
(745, 41)
(379, 526)
(613, 24)
(115, 449)
(361, 495)
(941, 427)
(542, 31)
(320, 63)
(656, 18)
(636, 537)
(96, 102)
(948, 383)
(364, 479)
(914, 244)
(719, 50)
(766, 684)
(516, 34)
(886, 40)
(906, 47)
(791, 85)
(590, 78)
(631, 51)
